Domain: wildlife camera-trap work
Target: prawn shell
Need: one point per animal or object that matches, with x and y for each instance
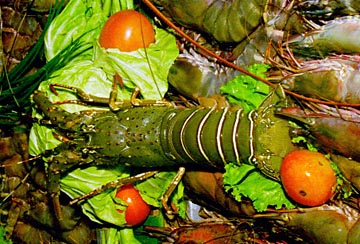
(334, 79)
(322, 226)
(340, 36)
(349, 168)
(333, 133)
(354, 234)
(194, 77)
(226, 21)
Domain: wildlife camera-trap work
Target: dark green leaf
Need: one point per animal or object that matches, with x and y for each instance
(246, 91)
(247, 181)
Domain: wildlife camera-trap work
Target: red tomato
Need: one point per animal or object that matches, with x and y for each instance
(308, 177)
(127, 30)
(137, 209)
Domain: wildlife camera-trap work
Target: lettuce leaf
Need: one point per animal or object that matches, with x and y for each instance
(246, 91)
(114, 235)
(247, 181)
(80, 19)
(3, 233)
(153, 189)
(102, 207)
(146, 69)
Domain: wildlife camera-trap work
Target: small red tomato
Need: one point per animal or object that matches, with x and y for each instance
(137, 209)
(308, 177)
(127, 30)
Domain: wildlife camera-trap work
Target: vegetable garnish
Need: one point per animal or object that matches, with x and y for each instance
(248, 181)
(245, 91)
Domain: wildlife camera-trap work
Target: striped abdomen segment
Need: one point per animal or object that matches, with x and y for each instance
(205, 136)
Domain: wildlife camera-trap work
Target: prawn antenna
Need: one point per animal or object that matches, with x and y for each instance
(21, 162)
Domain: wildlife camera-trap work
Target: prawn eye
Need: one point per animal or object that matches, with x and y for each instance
(308, 177)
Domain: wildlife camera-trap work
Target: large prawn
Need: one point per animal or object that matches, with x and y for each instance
(161, 136)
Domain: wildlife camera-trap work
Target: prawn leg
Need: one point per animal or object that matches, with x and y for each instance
(112, 102)
(115, 184)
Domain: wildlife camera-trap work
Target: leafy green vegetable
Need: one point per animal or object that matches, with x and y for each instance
(102, 207)
(155, 186)
(246, 91)
(146, 69)
(130, 235)
(2, 236)
(247, 181)
(152, 220)
(80, 19)
(115, 235)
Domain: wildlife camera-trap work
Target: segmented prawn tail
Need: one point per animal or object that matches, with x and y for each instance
(206, 135)
(226, 21)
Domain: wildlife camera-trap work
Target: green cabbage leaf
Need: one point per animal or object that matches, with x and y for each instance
(247, 181)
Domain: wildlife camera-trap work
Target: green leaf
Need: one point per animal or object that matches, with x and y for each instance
(117, 235)
(102, 207)
(2, 236)
(146, 69)
(77, 18)
(41, 139)
(246, 91)
(246, 181)
(131, 235)
(154, 188)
